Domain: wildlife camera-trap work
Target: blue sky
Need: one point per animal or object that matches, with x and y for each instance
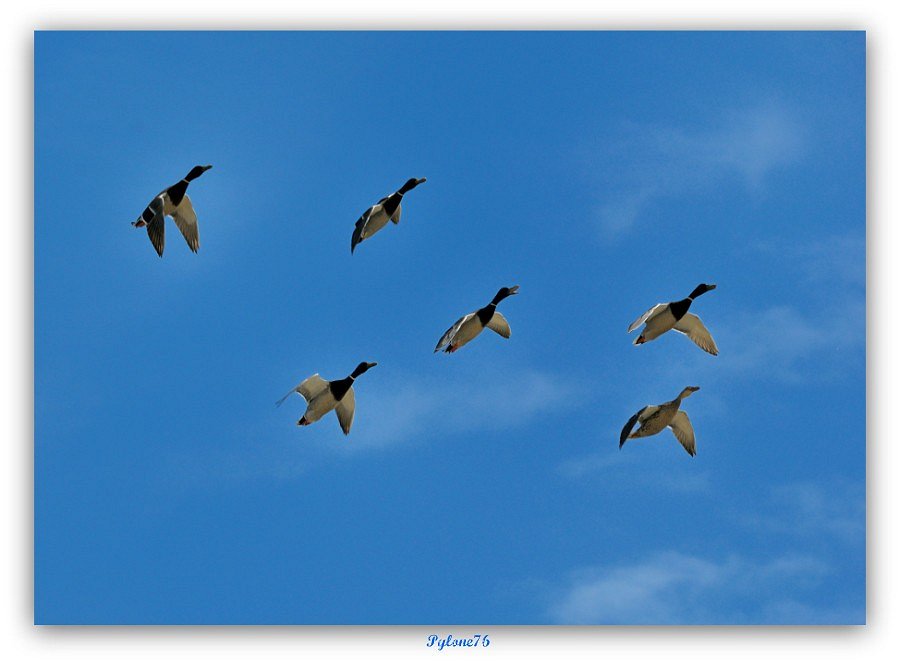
(603, 173)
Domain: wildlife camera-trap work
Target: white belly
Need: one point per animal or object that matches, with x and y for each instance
(659, 324)
(319, 406)
(377, 220)
(469, 330)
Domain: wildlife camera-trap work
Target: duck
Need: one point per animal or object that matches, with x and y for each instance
(387, 209)
(674, 315)
(172, 201)
(322, 396)
(654, 418)
(471, 325)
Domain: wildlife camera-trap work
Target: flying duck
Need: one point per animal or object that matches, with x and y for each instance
(173, 202)
(323, 396)
(376, 217)
(674, 315)
(471, 325)
(654, 418)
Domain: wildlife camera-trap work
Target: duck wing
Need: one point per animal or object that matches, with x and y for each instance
(450, 333)
(360, 228)
(156, 228)
(309, 388)
(692, 327)
(345, 410)
(499, 324)
(628, 427)
(659, 308)
(684, 432)
(186, 220)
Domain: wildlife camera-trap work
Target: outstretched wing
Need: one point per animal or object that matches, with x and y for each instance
(358, 230)
(345, 409)
(186, 220)
(683, 430)
(361, 222)
(396, 216)
(309, 389)
(649, 314)
(499, 324)
(156, 226)
(450, 333)
(628, 427)
(692, 327)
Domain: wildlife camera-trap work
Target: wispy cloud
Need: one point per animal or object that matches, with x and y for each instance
(807, 509)
(653, 162)
(400, 412)
(673, 588)
(498, 400)
(782, 341)
(670, 587)
(576, 468)
(633, 469)
(828, 325)
(836, 261)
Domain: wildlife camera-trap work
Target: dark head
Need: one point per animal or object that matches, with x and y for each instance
(503, 293)
(700, 289)
(196, 172)
(362, 368)
(411, 184)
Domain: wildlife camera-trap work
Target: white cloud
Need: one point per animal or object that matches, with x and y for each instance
(674, 588)
(670, 587)
(498, 400)
(805, 509)
(653, 162)
(398, 412)
(782, 341)
(836, 261)
(633, 468)
(575, 468)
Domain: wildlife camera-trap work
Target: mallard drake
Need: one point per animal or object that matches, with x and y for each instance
(376, 217)
(323, 396)
(471, 325)
(674, 315)
(172, 201)
(655, 418)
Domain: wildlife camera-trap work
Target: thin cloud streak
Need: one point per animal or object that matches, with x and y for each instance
(778, 342)
(632, 467)
(836, 261)
(501, 400)
(399, 413)
(806, 509)
(673, 588)
(654, 162)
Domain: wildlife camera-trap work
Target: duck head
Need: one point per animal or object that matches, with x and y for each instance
(700, 289)
(196, 172)
(362, 368)
(503, 293)
(411, 184)
(687, 391)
